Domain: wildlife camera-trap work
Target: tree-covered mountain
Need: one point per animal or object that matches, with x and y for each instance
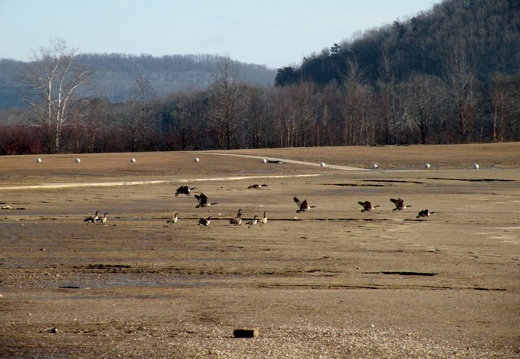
(114, 75)
(485, 32)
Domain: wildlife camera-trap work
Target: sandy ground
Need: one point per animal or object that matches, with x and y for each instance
(332, 282)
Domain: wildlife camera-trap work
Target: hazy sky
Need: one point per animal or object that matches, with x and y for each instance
(275, 33)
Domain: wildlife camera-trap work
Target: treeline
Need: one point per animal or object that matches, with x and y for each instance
(232, 114)
(450, 75)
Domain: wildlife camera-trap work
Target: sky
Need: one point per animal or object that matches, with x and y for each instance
(274, 33)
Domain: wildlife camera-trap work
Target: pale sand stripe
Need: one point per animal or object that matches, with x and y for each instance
(134, 183)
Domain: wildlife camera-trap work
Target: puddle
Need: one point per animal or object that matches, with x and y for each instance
(472, 179)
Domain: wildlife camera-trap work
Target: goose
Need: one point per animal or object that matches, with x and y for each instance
(367, 206)
(424, 213)
(204, 221)
(184, 190)
(256, 185)
(174, 219)
(203, 201)
(238, 219)
(302, 206)
(102, 220)
(252, 222)
(93, 219)
(399, 204)
(264, 219)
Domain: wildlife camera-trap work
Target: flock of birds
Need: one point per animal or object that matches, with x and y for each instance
(203, 201)
(399, 205)
(238, 219)
(303, 206)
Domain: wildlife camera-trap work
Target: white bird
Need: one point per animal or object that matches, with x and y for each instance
(174, 219)
(93, 219)
(427, 166)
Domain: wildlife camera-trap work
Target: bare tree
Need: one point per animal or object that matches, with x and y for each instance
(227, 105)
(423, 99)
(282, 123)
(141, 122)
(257, 126)
(387, 96)
(459, 77)
(505, 95)
(305, 113)
(90, 125)
(359, 119)
(185, 126)
(54, 77)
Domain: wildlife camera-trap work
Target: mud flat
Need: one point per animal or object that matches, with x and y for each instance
(332, 282)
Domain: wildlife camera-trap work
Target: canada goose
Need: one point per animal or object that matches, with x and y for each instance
(238, 219)
(256, 185)
(399, 204)
(302, 206)
(184, 190)
(264, 219)
(367, 206)
(424, 213)
(204, 221)
(92, 219)
(252, 222)
(174, 219)
(102, 220)
(203, 201)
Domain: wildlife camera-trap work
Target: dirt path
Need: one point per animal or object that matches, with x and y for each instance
(296, 162)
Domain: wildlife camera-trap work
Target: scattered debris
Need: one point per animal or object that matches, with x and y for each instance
(246, 333)
(9, 208)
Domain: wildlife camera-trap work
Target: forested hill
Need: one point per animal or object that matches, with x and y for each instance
(485, 32)
(114, 75)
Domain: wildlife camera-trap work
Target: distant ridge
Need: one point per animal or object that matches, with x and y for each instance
(114, 75)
